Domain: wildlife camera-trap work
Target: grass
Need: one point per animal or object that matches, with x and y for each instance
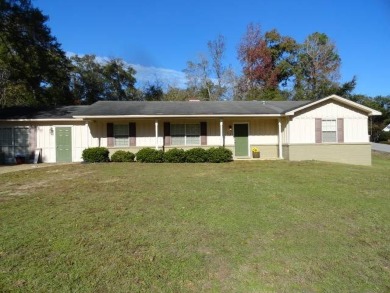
(264, 226)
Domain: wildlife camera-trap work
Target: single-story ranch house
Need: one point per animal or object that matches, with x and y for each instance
(330, 129)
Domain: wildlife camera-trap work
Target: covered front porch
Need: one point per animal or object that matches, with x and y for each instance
(239, 134)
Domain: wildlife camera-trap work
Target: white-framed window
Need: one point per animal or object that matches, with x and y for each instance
(121, 135)
(13, 141)
(329, 130)
(185, 134)
(14, 137)
(6, 137)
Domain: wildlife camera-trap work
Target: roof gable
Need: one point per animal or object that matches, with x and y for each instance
(369, 111)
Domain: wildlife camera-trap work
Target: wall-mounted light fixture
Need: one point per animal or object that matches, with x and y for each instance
(51, 130)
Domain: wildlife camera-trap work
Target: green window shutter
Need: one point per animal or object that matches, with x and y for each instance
(340, 130)
(318, 130)
(203, 133)
(167, 133)
(132, 134)
(110, 134)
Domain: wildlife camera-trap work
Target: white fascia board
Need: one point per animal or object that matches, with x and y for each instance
(42, 120)
(370, 112)
(177, 116)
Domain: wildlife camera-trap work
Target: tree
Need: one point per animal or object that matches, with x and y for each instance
(268, 61)
(87, 80)
(93, 80)
(197, 74)
(207, 77)
(178, 94)
(317, 70)
(379, 103)
(34, 68)
(119, 80)
(153, 92)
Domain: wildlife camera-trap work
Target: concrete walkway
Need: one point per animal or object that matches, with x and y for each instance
(380, 147)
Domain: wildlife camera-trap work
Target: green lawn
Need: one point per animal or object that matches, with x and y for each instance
(248, 226)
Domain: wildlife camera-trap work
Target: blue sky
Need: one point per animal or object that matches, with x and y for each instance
(159, 37)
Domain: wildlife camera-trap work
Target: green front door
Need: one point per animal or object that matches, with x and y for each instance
(241, 140)
(64, 144)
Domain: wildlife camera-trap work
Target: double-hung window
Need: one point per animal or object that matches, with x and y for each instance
(121, 135)
(185, 134)
(329, 130)
(6, 137)
(14, 141)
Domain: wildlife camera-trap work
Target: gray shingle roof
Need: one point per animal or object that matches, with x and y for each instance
(129, 108)
(64, 112)
(135, 108)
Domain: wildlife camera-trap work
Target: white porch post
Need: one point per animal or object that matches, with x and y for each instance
(280, 138)
(86, 128)
(221, 131)
(156, 132)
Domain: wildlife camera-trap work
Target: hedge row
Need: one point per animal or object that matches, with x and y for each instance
(149, 155)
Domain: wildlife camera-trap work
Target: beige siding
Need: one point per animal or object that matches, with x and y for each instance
(266, 151)
(285, 129)
(80, 141)
(213, 132)
(46, 140)
(262, 131)
(357, 154)
(301, 128)
(356, 130)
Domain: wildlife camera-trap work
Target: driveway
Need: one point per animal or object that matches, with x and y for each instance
(380, 147)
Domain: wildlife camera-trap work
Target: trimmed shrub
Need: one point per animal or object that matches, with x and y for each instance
(196, 155)
(122, 156)
(175, 156)
(219, 155)
(95, 155)
(149, 155)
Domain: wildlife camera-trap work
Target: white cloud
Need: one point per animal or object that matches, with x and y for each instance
(149, 74)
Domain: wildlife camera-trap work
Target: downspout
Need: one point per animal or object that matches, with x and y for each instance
(221, 132)
(280, 138)
(86, 133)
(156, 132)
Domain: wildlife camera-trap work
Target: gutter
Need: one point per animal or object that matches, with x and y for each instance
(40, 120)
(177, 116)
